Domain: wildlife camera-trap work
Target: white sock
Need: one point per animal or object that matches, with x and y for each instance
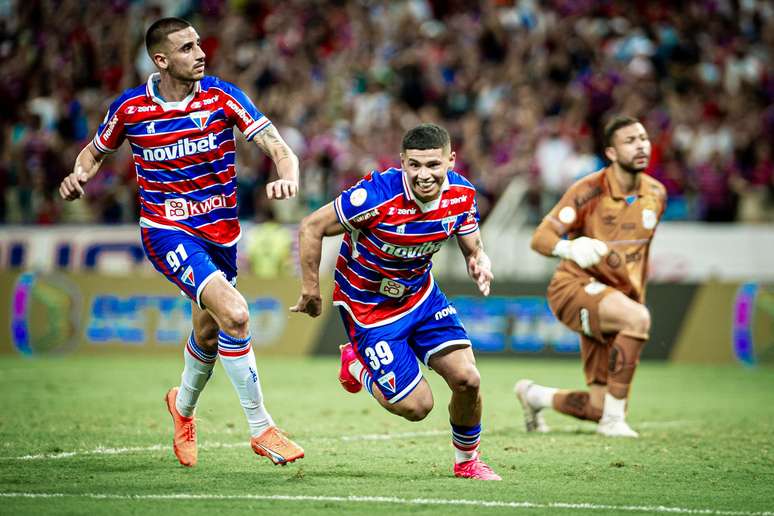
(541, 397)
(614, 408)
(196, 372)
(362, 375)
(355, 368)
(238, 360)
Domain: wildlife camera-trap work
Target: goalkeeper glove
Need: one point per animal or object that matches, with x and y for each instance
(584, 251)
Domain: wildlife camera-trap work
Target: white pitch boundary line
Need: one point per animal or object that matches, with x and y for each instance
(396, 501)
(104, 450)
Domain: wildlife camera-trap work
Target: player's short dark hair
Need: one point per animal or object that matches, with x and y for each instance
(616, 123)
(426, 136)
(159, 31)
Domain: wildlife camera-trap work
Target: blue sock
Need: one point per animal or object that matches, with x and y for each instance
(465, 440)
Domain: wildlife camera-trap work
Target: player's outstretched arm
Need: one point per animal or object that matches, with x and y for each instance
(479, 264)
(272, 144)
(86, 166)
(314, 227)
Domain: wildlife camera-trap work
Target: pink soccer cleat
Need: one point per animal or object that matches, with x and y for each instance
(475, 468)
(348, 381)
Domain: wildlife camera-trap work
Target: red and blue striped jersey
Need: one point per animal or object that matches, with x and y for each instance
(184, 154)
(383, 269)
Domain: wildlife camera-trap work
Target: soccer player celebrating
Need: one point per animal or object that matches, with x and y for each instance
(180, 128)
(393, 311)
(598, 289)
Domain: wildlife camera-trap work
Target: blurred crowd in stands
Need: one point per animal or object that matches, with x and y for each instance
(524, 87)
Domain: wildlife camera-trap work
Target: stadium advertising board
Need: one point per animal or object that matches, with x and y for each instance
(716, 322)
(54, 313)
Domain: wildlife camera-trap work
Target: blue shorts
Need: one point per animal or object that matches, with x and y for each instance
(187, 261)
(392, 352)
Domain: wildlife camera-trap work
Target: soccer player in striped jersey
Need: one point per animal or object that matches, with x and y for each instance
(393, 312)
(180, 129)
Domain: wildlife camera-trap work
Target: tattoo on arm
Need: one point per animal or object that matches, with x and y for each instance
(271, 143)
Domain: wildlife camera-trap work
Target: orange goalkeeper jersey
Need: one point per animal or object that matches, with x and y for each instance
(596, 207)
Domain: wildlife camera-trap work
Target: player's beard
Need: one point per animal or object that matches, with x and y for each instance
(185, 74)
(631, 168)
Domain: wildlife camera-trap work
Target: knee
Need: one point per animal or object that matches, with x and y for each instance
(236, 319)
(639, 321)
(466, 381)
(417, 411)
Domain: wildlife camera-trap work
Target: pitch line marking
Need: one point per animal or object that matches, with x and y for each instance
(396, 501)
(105, 450)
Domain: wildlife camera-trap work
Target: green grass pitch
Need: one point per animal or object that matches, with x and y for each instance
(90, 435)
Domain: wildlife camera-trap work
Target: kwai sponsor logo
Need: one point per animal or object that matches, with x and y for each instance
(181, 149)
(180, 208)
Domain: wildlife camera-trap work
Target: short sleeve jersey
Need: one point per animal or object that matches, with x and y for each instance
(383, 269)
(184, 154)
(595, 207)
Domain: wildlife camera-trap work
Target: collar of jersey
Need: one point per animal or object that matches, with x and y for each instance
(424, 207)
(615, 188)
(152, 91)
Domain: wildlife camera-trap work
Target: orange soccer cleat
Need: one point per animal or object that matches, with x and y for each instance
(184, 440)
(273, 444)
(475, 468)
(348, 382)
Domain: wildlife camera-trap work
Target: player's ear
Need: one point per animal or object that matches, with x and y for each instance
(452, 159)
(611, 154)
(160, 60)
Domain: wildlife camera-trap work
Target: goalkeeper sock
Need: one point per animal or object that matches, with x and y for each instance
(540, 397)
(465, 440)
(196, 372)
(238, 360)
(363, 376)
(615, 408)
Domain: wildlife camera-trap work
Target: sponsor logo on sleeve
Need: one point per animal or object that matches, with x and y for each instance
(567, 215)
(240, 112)
(358, 197)
(581, 200)
(110, 127)
(366, 216)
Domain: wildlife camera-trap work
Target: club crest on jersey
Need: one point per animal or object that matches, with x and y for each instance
(388, 381)
(448, 224)
(200, 118)
(188, 277)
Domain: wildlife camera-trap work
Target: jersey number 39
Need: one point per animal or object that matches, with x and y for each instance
(379, 355)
